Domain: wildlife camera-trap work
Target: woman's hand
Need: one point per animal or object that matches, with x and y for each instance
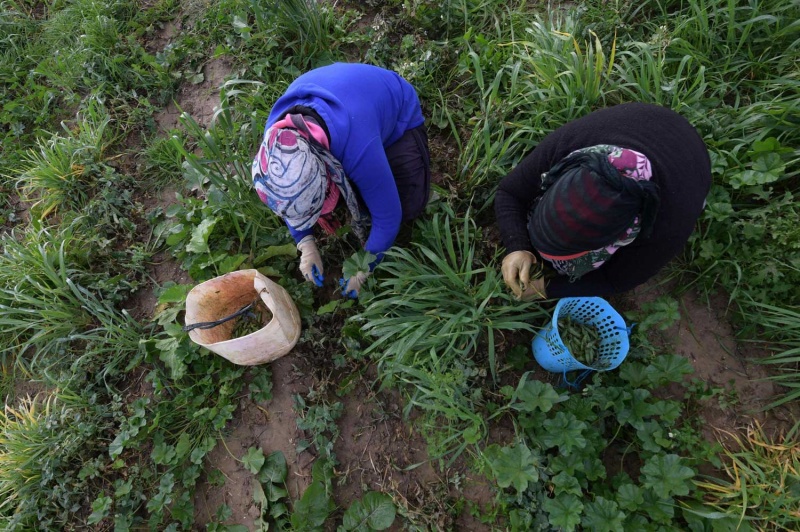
(352, 286)
(310, 260)
(517, 271)
(535, 290)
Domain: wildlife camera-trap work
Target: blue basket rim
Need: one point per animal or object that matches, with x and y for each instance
(554, 324)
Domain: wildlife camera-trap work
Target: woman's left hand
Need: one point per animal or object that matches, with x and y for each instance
(352, 286)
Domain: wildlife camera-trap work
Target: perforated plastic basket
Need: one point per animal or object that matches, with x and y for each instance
(550, 351)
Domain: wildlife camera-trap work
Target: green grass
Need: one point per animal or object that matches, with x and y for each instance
(435, 315)
(762, 475)
(494, 77)
(64, 170)
(46, 443)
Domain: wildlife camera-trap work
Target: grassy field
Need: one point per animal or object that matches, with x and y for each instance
(126, 135)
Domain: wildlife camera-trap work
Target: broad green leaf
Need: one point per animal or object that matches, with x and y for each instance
(375, 511)
(565, 432)
(658, 509)
(274, 469)
(260, 499)
(602, 515)
(564, 484)
(769, 163)
(288, 250)
(534, 395)
(358, 262)
(519, 356)
(669, 411)
(666, 475)
(636, 373)
(174, 293)
(230, 263)
(634, 411)
(629, 497)
(564, 511)
(767, 168)
(163, 453)
(653, 438)
(328, 307)
(261, 386)
(202, 449)
(662, 313)
(184, 445)
(513, 466)
(253, 460)
(200, 234)
(767, 145)
(593, 468)
(670, 368)
(312, 509)
(173, 355)
(100, 508)
(116, 447)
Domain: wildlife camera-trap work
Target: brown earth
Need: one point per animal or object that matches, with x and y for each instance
(704, 335)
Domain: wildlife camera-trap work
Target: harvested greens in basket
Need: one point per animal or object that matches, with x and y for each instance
(582, 341)
(252, 320)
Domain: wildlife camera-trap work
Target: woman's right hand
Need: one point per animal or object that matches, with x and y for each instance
(516, 271)
(310, 260)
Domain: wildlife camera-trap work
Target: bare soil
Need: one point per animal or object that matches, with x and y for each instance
(200, 101)
(705, 336)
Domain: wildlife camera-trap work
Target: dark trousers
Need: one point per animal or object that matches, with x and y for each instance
(410, 161)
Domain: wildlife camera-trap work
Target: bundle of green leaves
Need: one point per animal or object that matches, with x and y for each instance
(582, 341)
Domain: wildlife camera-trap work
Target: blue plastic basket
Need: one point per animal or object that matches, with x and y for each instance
(550, 351)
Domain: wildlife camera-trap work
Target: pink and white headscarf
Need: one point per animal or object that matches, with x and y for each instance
(297, 176)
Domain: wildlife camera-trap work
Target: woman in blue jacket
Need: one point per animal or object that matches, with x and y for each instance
(351, 135)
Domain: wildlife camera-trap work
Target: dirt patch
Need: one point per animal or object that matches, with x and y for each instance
(162, 267)
(200, 100)
(444, 159)
(377, 450)
(737, 385)
(271, 428)
(162, 38)
(25, 389)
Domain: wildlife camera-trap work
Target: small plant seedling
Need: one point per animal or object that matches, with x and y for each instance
(358, 262)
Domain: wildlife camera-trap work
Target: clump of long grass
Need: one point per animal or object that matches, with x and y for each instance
(222, 168)
(781, 326)
(64, 169)
(162, 161)
(306, 25)
(763, 478)
(434, 318)
(44, 442)
(49, 321)
(550, 74)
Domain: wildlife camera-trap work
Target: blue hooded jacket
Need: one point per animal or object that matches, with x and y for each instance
(366, 109)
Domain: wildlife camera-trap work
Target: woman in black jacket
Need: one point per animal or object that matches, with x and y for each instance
(606, 201)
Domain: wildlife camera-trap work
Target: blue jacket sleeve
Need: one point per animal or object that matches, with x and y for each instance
(373, 178)
(299, 235)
